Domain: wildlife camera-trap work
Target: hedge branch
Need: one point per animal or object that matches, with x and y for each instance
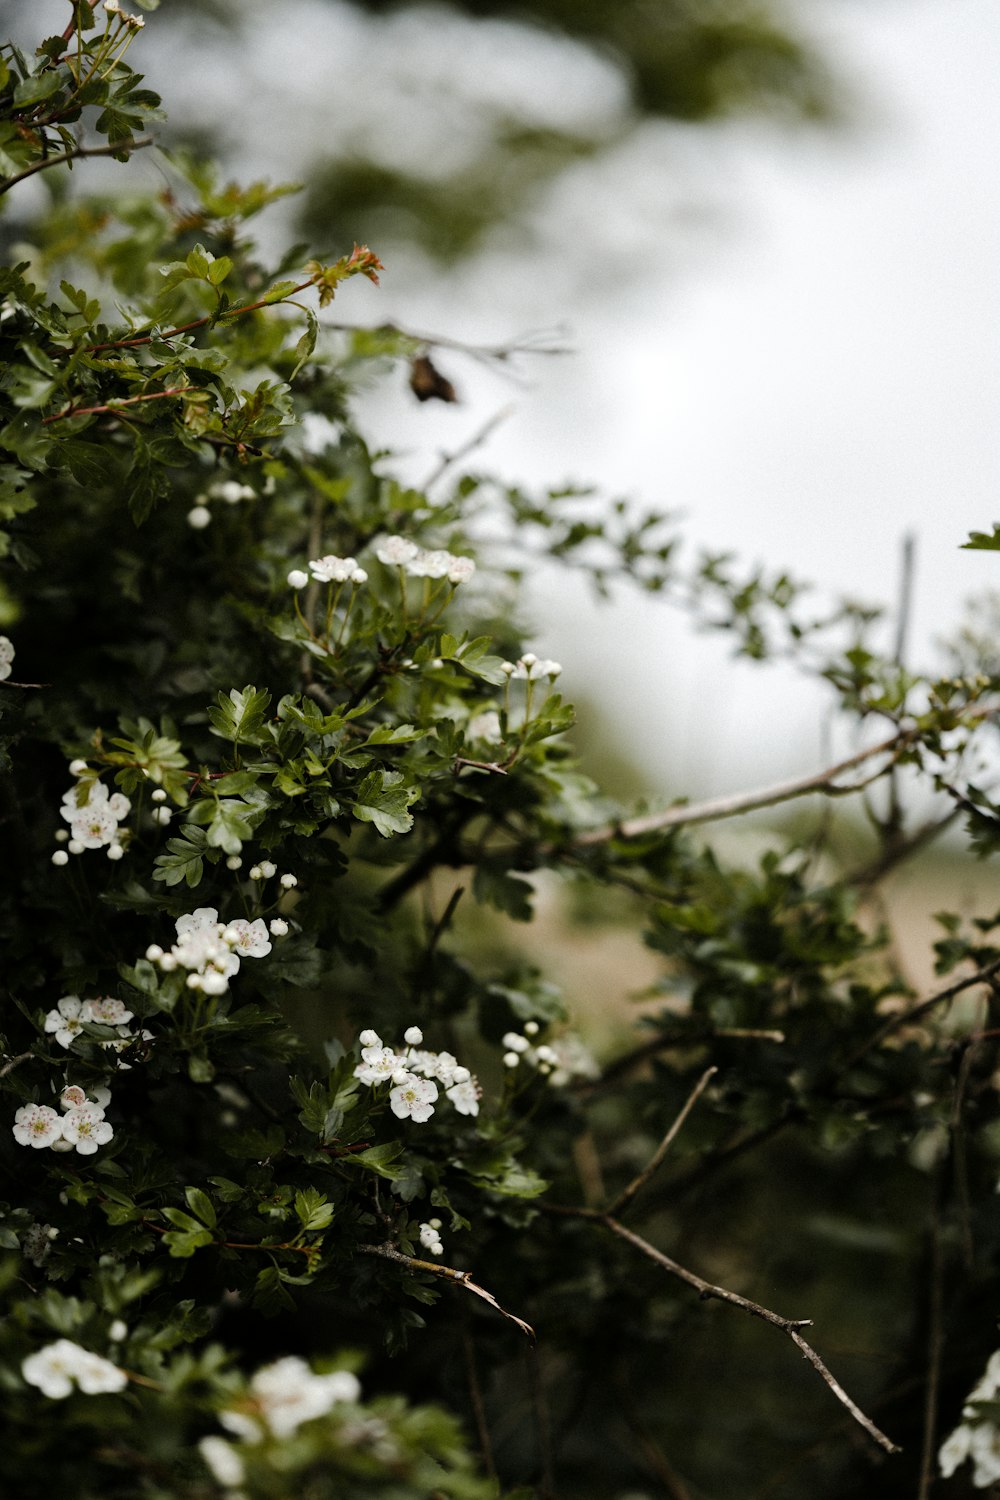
(742, 802)
(448, 1273)
(627, 1194)
(6, 183)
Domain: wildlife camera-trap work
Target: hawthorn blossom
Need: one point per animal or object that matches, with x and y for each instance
(430, 1238)
(107, 1012)
(248, 939)
(66, 1020)
(54, 1368)
(85, 1127)
(485, 727)
(332, 569)
(413, 1097)
(37, 1125)
(378, 1065)
(94, 819)
(222, 1460)
(396, 551)
(465, 1097)
(297, 579)
(6, 656)
(978, 1440)
(231, 491)
(284, 1395)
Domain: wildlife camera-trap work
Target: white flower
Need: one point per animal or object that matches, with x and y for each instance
(72, 1097)
(86, 1128)
(37, 1125)
(6, 656)
(485, 726)
(332, 569)
(95, 827)
(461, 569)
(222, 1459)
(413, 1036)
(430, 564)
(465, 1097)
(984, 1450)
(231, 491)
(413, 1097)
(297, 579)
(430, 1239)
(278, 927)
(198, 517)
(106, 1011)
(202, 919)
(66, 1020)
(396, 551)
(286, 1394)
(954, 1451)
(248, 939)
(54, 1368)
(377, 1065)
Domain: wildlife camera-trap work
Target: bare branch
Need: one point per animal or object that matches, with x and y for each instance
(916, 1012)
(625, 1197)
(707, 1290)
(448, 1273)
(477, 440)
(6, 183)
(741, 802)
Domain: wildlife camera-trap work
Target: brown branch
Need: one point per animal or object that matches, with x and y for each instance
(729, 807)
(935, 1347)
(230, 312)
(707, 1290)
(462, 1278)
(13, 1062)
(6, 183)
(652, 1166)
(476, 1402)
(113, 406)
(907, 1017)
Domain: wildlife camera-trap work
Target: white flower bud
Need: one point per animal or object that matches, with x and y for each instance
(297, 579)
(159, 795)
(198, 517)
(115, 851)
(289, 881)
(162, 815)
(77, 767)
(234, 862)
(370, 1038)
(60, 857)
(413, 1036)
(278, 927)
(62, 835)
(267, 870)
(168, 962)
(510, 1059)
(154, 953)
(514, 1042)
(256, 873)
(531, 1028)
(75, 846)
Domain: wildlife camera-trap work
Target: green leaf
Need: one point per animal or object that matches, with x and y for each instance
(201, 1206)
(981, 541)
(313, 1210)
(378, 1158)
(240, 714)
(508, 893)
(184, 860)
(382, 801)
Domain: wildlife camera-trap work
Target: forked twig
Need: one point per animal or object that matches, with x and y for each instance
(627, 1194)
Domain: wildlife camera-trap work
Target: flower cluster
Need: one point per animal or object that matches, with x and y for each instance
(530, 667)
(82, 1127)
(400, 552)
(211, 950)
(6, 656)
(559, 1061)
(485, 726)
(113, 8)
(71, 1014)
(93, 814)
(330, 569)
(284, 1395)
(430, 1237)
(415, 1074)
(55, 1368)
(975, 1438)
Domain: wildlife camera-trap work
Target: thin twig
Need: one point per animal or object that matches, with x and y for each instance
(476, 1402)
(707, 1290)
(113, 406)
(14, 1062)
(729, 807)
(907, 1017)
(476, 441)
(448, 1273)
(43, 165)
(627, 1194)
(935, 1346)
